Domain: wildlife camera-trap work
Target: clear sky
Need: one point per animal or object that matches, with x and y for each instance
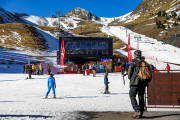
(46, 8)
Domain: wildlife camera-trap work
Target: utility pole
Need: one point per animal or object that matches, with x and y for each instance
(138, 38)
(59, 13)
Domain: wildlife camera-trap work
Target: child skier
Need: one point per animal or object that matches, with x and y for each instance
(51, 84)
(106, 83)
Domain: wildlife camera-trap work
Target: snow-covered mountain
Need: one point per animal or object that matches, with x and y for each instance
(82, 14)
(7, 17)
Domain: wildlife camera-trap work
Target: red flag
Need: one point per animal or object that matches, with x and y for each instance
(129, 50)
(62, 52)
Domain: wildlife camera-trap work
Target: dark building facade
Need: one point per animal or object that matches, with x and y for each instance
(83, 49)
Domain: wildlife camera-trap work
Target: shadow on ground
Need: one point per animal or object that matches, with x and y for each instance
(29, 116)
(169, 115)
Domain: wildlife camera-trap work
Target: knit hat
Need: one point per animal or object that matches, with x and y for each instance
(137, 53)
(51, 74)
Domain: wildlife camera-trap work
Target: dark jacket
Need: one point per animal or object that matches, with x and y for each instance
(87, 66)
(24, 66)
(127, 65)
(105, 79)
(132, 74)
(123, 66)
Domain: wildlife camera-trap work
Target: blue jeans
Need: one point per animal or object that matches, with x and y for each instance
(49, 89)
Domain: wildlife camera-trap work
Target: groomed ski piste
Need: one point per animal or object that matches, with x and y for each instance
(155, 52)
(23, 99)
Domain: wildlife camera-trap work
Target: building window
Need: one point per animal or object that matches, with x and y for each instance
(72, 48)
(66, 46)
(94, 48)
(100, 48)
(105, 48)
(89, 48)
(83, 48)
(78, 47)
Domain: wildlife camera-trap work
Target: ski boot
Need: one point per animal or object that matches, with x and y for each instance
(54, 96)
(46, 96)
(106, 92)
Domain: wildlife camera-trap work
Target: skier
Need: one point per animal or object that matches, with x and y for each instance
(122, 68)
(106, 83)
(51, 84)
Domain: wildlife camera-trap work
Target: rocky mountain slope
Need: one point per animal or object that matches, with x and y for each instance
(157, 19)
(82, 14)
(7, 17)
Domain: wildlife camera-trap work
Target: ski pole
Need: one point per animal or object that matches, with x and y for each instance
(103, 91)
(102, 88)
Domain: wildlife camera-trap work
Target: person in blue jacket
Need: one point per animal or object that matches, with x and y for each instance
(106, 82)
(51, 84)
(127, 66)
(152, 67)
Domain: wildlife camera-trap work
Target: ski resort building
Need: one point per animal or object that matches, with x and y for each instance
(91, 50)
(83, 49)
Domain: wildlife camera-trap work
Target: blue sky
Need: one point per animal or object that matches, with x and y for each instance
(46, 8)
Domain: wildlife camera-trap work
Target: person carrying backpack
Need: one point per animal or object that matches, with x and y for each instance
(139, 74)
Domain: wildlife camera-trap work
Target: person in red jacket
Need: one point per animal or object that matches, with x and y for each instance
(168, 67)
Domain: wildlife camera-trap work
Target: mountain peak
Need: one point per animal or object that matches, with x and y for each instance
(81, 13)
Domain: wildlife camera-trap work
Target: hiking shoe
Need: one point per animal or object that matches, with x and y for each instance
(136, 114)
(140, 116)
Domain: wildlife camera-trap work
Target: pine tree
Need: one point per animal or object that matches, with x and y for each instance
(159, 13)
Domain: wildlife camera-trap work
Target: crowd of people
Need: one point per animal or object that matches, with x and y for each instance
(35, 69)
(138, 82)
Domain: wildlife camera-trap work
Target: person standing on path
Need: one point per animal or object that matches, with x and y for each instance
(84, 69)
(122, 68)
(33, 69)
(152, 67)
(136, 86)
(24, 67)
(48, 68)
(40, 69)
(167, 67)
(51, 84)
(127, 66)
(29, 70)
(106, 82)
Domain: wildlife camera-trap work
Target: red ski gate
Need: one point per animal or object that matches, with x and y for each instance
(163, 90)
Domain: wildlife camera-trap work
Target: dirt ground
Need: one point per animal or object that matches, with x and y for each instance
(155, 115)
